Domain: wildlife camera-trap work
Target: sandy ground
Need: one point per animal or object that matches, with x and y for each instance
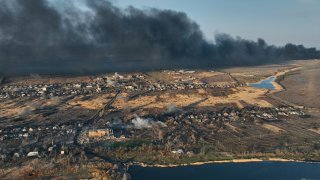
(255, 74)
(302, 87)
(222, 161)
(231, 127)
(315, 130)
(210, 77)
(278, 87)
(247, 94)
(93, 103)
(272, 128)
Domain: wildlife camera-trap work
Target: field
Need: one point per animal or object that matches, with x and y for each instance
(302, 86)
(256, 73)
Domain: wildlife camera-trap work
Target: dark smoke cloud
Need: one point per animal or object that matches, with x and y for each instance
(39, 36)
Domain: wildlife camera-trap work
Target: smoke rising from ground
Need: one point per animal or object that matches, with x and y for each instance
(141, 123)
(61, 36)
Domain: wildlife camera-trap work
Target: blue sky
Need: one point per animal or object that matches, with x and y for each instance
(277, 21)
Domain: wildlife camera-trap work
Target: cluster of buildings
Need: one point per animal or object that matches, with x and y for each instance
(36, 141)
(97, 135)
(99, 84)
(129, 83)
(39, 90)
(182, 128)
(245, 114)
(50, 140)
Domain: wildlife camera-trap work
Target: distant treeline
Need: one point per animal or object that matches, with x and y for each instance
(61, 36)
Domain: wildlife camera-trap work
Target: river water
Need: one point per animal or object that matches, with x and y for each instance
(257, 170)
(265, 84)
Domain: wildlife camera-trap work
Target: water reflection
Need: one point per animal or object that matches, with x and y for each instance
(265, 84)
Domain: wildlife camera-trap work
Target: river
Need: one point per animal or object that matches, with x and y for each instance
(265, 84)
(256, 170)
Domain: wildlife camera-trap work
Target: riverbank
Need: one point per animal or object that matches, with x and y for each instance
(274, 81)
(302, 87)
(251, 160)
(279, 87)
(252, 170)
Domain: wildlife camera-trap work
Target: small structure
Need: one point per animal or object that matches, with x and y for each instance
(17, 155)
(50, 149)
(179, 151)
(100, 133)
(33, 154)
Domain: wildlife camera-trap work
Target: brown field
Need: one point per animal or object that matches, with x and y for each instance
(256, 73)
(210, 77)
(302, 87)
(272, 128)
(315, 130)
(37, 79)
(244, 94)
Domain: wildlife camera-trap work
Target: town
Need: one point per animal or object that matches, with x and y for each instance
(162, 117)
(129, 83)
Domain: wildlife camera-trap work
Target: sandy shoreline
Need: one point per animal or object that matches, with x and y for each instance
(220, 162)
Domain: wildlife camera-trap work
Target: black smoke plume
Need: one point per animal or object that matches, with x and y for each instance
(61, 36)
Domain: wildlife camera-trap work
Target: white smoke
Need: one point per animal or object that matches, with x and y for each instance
(141, 123)
(171, 108)
(29, 109)
(55, 100)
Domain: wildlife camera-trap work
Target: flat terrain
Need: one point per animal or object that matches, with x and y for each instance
(98, 125)
(302, 86)
(256, 73)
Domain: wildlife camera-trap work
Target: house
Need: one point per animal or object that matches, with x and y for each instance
(100, 133)
(33, 154)
(179, 151)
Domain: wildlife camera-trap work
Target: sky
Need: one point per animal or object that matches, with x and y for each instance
(276, 21)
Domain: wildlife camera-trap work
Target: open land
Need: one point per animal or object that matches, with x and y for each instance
(96, 126)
